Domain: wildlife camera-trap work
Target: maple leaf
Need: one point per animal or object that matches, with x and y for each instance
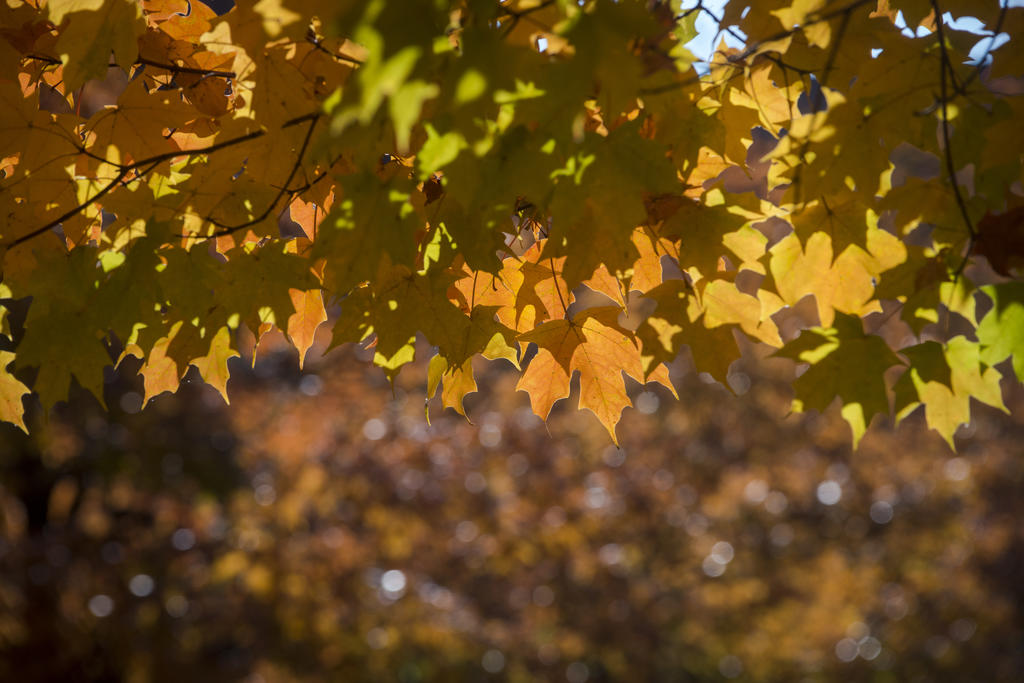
(479, 201)
(647, 272)
(135, 128)
(543, 285)
(213, 366)
(94, 29)
(159, 371)
(257, 284)
(944, 378)
(455, 383)
(46, 151)
(924, 286)
(131, 290)
(11, 393)
(843, 217)
(725, 304)
(526, 291)
(701, 230)
(679, 320)
(308, 215)
(1001, 331)
(179, 18)
(368, 220)
(604, 39)
(309, 315)
(407, 302)
(589, 205)
(844, 283)
(63, 338)
(354, 323)
(594, 345)
(845, 363)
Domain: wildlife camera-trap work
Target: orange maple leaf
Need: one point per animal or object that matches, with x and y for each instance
(309, 315)
(595, 345)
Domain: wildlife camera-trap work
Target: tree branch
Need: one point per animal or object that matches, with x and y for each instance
(185, 69)
(148, 62)
(228, 229)
(152, 161)
(68, 214)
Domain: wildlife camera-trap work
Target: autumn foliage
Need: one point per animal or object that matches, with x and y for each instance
(558, 184)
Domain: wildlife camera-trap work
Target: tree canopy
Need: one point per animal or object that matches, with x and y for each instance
(558, 184)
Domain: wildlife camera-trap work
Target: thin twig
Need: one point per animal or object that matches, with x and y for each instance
(185, 69)
(988, 50)
(68, 214)
(149, 62)
(948, 150)
(315, 42)
(735, 34)
(228, 229)
(517, 15)
(44, 58)
(152, 161)
(834, 52)
(845, 10)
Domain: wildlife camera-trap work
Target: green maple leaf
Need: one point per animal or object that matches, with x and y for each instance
(374, 219)
(256, 284)
(128, 297)
(1001, 331)
(598, 200)
(484, 191)
(64, 333)
(63, 343)
(844, 363)
(603, 40)
(408, 302)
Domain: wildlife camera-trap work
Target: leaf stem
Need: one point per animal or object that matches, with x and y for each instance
(554, 279)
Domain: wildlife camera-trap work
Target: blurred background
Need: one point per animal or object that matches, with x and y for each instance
(320, 529)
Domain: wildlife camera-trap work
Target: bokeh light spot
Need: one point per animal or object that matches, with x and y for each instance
(493, 661)
(141, 585)
(829, 492)
(101, 605)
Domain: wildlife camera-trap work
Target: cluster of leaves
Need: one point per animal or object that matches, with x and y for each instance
(318, 529)
(465, 170)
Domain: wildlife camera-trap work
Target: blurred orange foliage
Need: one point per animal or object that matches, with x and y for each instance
(319, 529)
